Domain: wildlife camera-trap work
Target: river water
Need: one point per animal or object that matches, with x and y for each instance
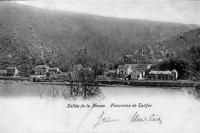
(27, 108)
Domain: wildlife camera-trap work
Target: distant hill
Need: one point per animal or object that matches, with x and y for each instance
(183, 40)
(30, 36)
(178, 44)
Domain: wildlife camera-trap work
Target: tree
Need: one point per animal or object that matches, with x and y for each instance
(193, 57)
(83, 83)
(180, 65)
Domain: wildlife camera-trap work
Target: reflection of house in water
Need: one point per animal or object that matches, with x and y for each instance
(41, 69)
(12, 71)
(163, 75)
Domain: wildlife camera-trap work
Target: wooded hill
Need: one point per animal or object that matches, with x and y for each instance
(31, 36)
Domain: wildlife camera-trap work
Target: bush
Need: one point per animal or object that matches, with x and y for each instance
(181, 66)
(197, 89)
(82, 84)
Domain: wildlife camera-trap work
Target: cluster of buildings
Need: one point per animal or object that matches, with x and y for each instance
(133, 71)
(140, 71)
(129, 70)
(46, 70)
(38, 71)
(9, 71)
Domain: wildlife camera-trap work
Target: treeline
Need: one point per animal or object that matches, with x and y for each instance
(187, 63)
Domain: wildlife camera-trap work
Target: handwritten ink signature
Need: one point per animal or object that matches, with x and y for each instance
(138, 118)
(103, 119)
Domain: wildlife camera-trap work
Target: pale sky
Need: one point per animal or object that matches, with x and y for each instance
(181, 11)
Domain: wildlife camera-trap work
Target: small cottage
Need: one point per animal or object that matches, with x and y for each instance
(53, 72)
(110, 73)
(12, 71)
(3, 72)
(41, 69)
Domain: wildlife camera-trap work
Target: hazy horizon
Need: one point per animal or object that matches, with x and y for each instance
(176, 11)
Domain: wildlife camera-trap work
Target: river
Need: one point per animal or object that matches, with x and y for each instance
(31, 108)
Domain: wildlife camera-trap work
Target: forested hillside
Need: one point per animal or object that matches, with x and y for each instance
(30, 36)
(183, 40)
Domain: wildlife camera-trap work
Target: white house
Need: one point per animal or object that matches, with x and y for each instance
(41, 69)
(124, 70)
(139, 70)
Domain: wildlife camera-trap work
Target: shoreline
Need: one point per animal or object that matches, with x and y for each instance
(152, 83)
(112, 83)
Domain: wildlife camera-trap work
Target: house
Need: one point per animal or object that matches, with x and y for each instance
(110, 73)
(135, 71)
(124, 70)
(120, 70)
(53, 72)
(163, 75)
(41, 69)
(3, 72)
(139, 70)
(12, 71)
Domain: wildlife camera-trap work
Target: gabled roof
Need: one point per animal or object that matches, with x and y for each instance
(135, 66)
(54, 68)
(160, 72)
(145, 66)
(42, 66)
(11, 67)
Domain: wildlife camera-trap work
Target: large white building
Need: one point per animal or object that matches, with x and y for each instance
(135, 71)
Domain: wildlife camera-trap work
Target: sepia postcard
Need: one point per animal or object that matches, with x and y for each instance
(99, 66)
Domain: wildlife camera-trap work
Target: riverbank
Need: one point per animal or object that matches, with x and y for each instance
(114, 82)
(110, 83)
(42, 108)
(159, 83)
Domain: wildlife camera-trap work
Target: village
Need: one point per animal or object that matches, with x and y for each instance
(129, 70)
